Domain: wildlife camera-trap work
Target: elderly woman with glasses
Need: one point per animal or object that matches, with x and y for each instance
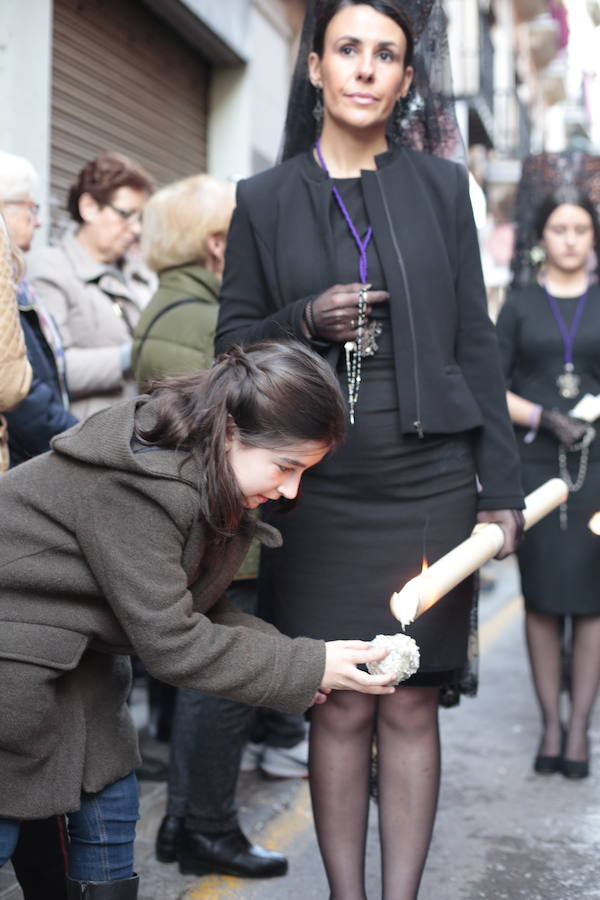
(44, 412)
(93, 283)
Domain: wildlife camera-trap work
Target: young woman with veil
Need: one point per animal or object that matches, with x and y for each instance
(367, 250)
(549, 330)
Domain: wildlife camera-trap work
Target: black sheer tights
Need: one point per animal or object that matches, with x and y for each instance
(408, 763)
(544, 638)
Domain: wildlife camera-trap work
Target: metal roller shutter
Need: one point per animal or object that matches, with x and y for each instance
(122, 80)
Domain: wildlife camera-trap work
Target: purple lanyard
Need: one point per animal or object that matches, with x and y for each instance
(362, 245)
(568, 334)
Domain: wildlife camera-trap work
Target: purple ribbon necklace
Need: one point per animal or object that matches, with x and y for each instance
(568, 382)
(365, 342)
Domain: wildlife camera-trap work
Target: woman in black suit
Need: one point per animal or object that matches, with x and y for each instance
(368, 251)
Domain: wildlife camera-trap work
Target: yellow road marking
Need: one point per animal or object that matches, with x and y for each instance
(284, 831)
(491, 630)
(296, 821)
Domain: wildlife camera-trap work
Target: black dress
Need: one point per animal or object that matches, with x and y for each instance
(560, 568)
(370, 512)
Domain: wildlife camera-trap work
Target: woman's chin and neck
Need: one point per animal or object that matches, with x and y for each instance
(87, 239)
(348, 149)
(565, 282)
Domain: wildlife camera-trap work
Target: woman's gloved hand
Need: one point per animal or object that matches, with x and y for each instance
(511, 521)
(333, 315)
(566, 429)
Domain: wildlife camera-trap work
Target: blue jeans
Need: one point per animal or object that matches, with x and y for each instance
(101, 833)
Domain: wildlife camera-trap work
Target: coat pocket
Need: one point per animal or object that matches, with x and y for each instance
(39, 691)
(41, 645)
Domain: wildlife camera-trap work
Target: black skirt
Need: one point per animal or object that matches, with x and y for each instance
(366, 518)
(560, 570)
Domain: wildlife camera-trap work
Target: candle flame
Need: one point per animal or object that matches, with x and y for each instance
(416, 596)
(594, 523)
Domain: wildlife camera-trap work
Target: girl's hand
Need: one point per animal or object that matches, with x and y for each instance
(333, 314)
(341, 660)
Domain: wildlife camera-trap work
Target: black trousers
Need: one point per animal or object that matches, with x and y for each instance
(207, 740)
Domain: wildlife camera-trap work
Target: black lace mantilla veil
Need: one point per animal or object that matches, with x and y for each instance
(425, 120)
(569, 172)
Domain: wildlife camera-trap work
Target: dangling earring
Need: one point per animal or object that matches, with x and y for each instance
(537, 255)
(318, 107)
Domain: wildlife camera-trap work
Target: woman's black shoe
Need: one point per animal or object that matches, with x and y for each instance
(227, 854)
(168, 838)
(575, 768)
(547, 765)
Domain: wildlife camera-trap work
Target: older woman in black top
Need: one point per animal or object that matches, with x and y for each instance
(368, 251)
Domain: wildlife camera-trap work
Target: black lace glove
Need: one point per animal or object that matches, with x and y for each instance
(333, 315)
(511, 522)
(566, 429)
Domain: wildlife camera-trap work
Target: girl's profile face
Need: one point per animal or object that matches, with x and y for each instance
(263, 474)
(569, 237)
(362, 71)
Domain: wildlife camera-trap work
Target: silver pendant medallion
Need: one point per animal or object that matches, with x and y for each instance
(369, 345)
(568, 383)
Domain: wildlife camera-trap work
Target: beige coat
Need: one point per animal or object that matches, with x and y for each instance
(96, 307)
(15, 371)
(104, 553)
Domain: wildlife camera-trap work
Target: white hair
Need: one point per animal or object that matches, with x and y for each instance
(18, 178)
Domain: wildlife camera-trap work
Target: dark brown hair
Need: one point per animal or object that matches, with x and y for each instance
(327, 9)
(103, 176)
(275, 393)
(574, 197)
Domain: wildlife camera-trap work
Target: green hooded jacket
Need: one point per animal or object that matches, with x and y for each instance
(176, 331)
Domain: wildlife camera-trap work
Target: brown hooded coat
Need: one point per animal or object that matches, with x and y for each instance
(103, 553)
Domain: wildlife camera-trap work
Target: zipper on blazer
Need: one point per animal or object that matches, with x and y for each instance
(417, 424)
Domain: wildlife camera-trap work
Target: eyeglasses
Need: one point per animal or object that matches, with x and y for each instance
(131, 216)
(33, 208)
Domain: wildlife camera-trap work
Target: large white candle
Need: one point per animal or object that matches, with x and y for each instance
(433, 583)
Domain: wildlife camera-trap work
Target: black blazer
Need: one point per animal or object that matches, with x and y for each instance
(280, 252)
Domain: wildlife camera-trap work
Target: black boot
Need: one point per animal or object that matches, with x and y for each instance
(228, 854)
(40, 859)
(124, 889)
(168, 838)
